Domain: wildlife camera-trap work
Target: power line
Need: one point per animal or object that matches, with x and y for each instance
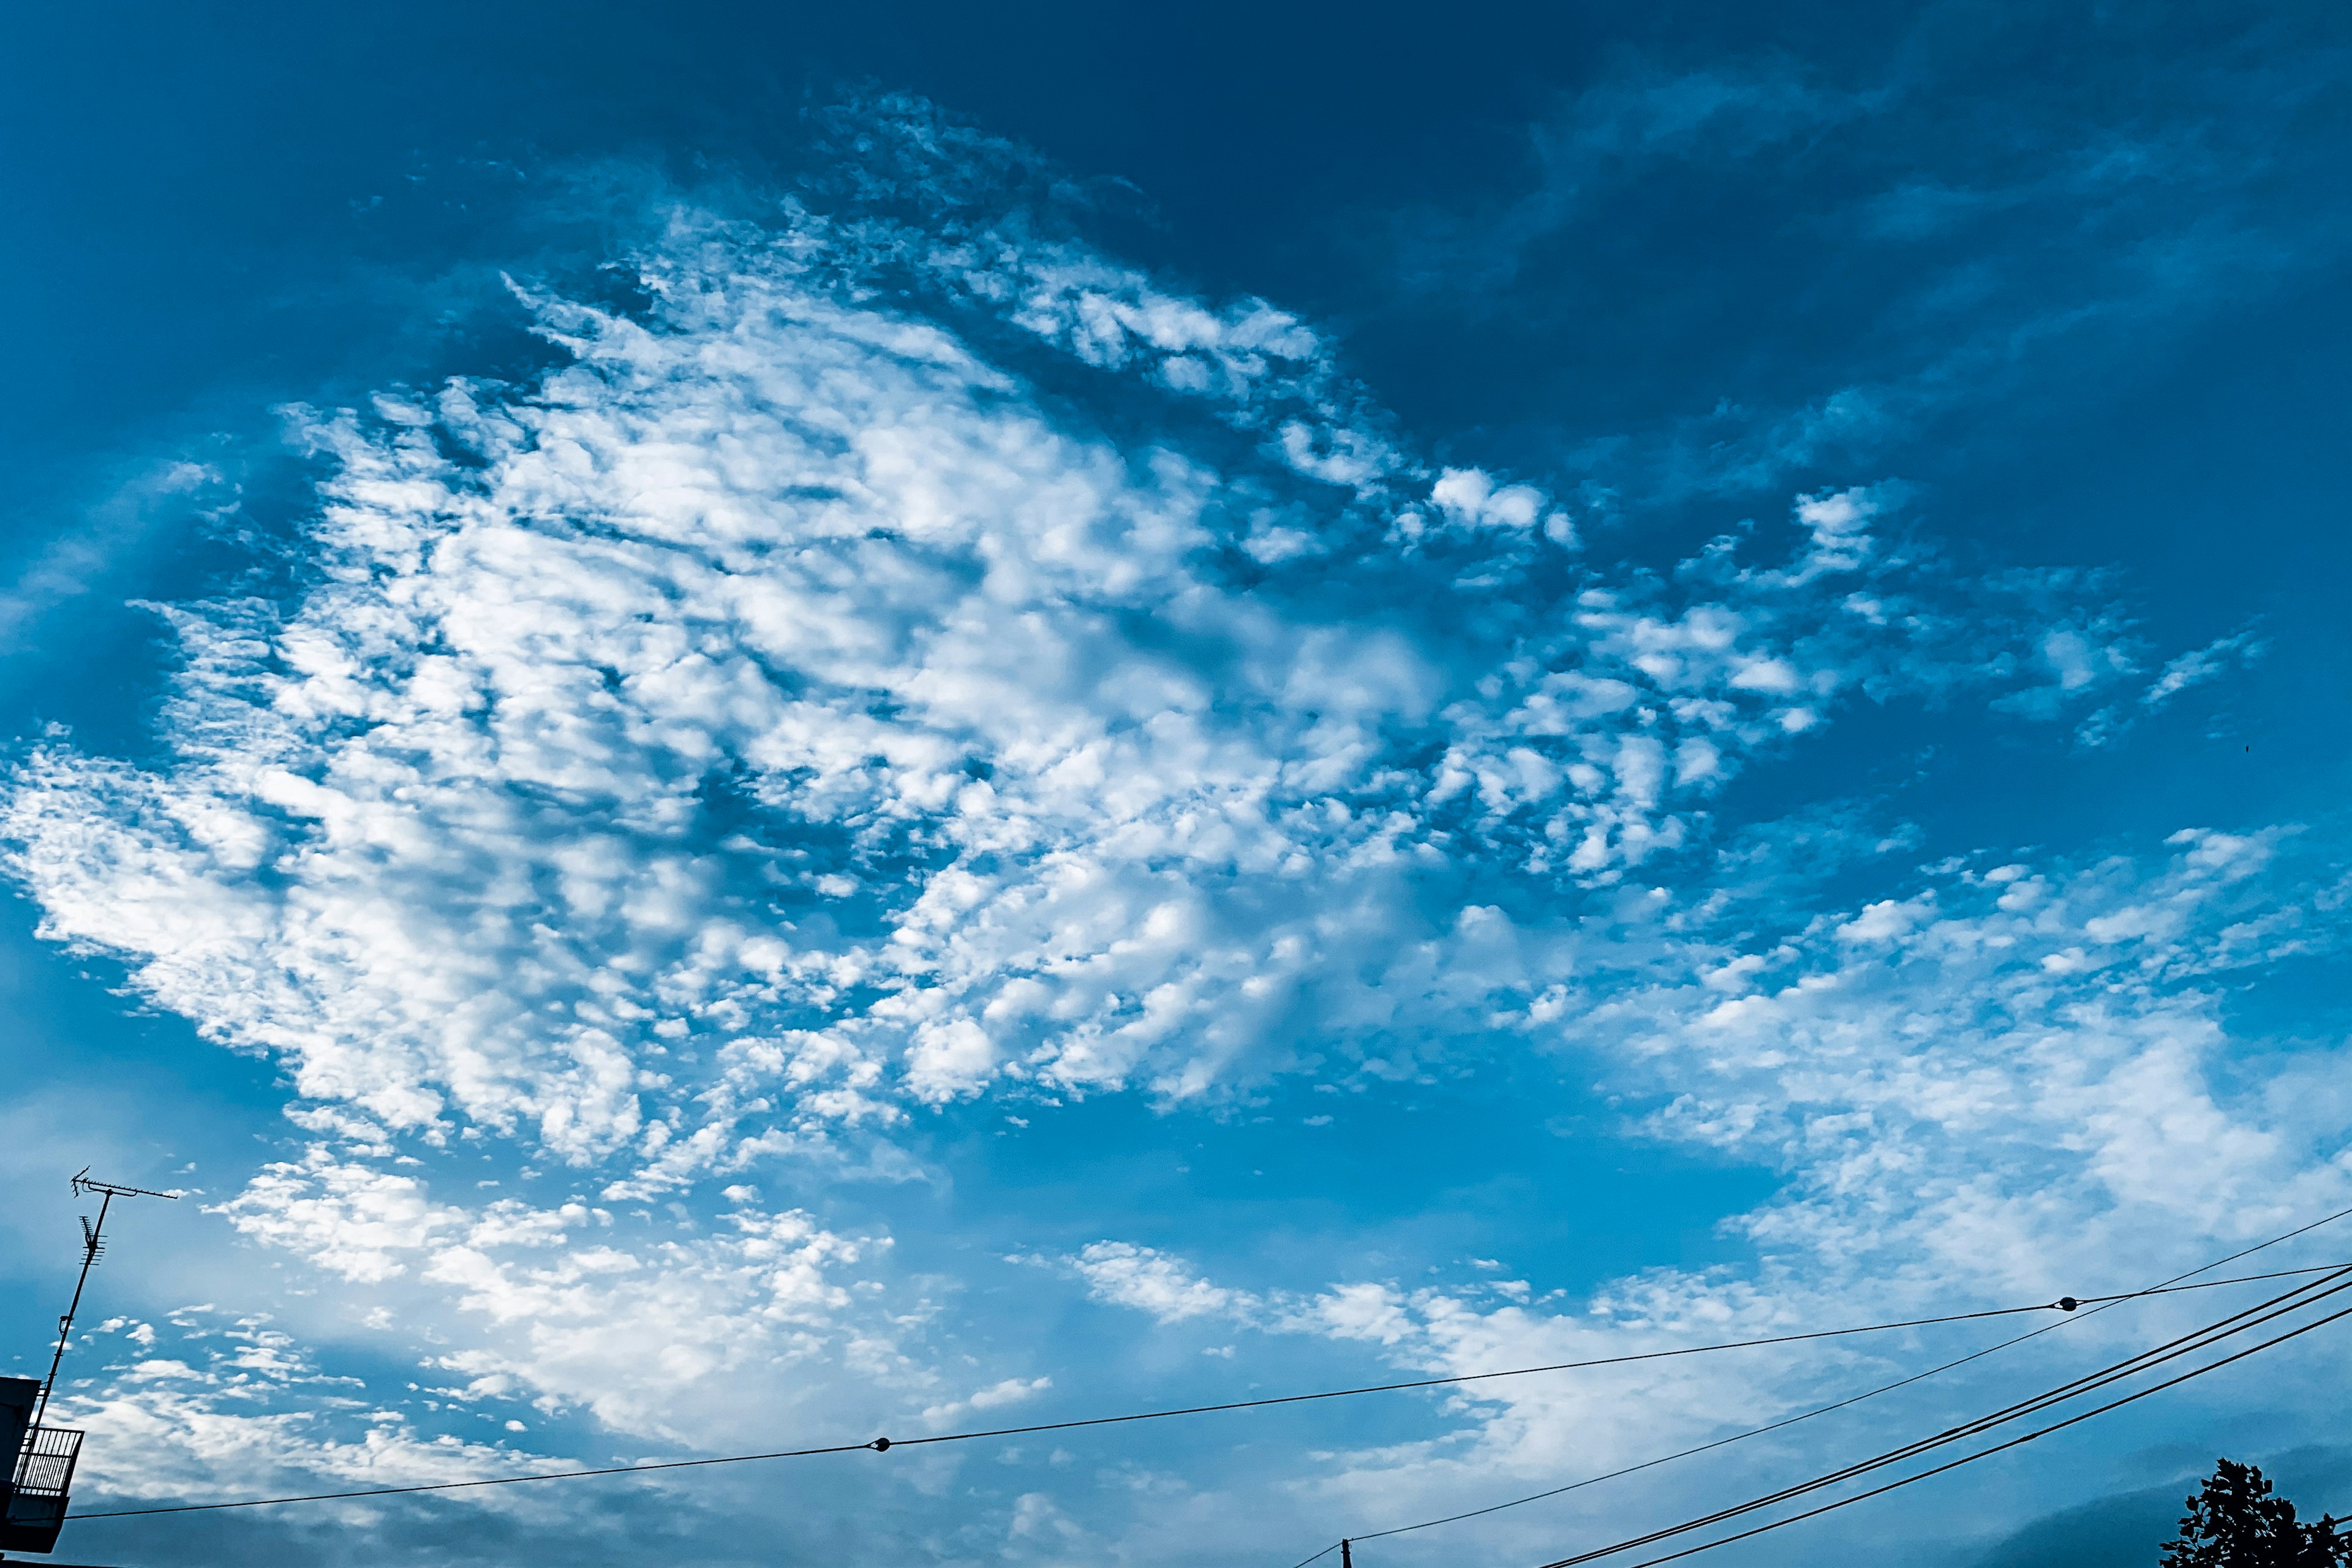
(2187, 1344)
(2063, 1304)
(2098, 1303)
(883, 1445)
(2000, 1447)
(2103, 1303)
(2175, 1279)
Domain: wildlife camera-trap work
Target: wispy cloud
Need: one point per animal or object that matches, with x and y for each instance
(774, 717)
(204, 1399)
(2180, 673)
(63, 569)
(1839, 256)
(787, 717)
(2002, 1088)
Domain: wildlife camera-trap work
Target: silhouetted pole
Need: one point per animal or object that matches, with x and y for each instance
(92, 1244)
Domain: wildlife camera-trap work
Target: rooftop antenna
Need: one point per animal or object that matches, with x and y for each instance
(93, 1246)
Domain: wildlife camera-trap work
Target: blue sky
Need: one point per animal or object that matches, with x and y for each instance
(740, 727)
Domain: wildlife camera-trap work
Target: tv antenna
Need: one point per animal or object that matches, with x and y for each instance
(93, 1246)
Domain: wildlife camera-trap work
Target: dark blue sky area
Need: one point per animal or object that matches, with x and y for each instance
(1560, 227)
(2072, 273)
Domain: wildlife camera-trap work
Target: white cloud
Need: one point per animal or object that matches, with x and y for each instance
(1999, 1076)
(1011, 1391)
(750, 729)
(779, 719)
(2201, 665)
(670, 1336)
(1957, 1121)
(1470, 496)
(241, 1404)
(1125, 1274)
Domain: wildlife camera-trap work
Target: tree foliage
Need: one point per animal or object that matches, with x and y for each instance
(2235, 1521)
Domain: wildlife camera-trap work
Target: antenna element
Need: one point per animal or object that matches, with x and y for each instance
(93, 1247)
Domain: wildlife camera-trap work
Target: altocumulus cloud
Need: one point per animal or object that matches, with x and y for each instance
(2007, 1082)
(794, 711)
(777, 703)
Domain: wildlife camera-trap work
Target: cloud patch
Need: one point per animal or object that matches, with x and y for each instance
(786, 716)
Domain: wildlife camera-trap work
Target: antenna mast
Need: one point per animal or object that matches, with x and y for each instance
(93, 1244)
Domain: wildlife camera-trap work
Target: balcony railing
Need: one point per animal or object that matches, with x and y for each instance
(45, 1467)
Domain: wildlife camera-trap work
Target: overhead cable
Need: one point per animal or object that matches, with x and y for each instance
(1817, 1410)
(883, 1445)
(1807, 1414)
(2283, 1305)
(1999, 1448)
(2096, 1303)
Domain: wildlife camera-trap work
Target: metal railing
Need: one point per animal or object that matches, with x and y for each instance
(45, 1466)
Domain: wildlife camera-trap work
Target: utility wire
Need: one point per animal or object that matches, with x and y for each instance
(2279, 1306)
(2098, 1303)
(1565, 1562)
(1793, 1420)
(2175, 1279)
(2000, 1447)
(2103, 1303)
(2063, 1304)
(882, 1444)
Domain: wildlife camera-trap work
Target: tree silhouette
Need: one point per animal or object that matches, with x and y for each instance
(2234, 1521)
